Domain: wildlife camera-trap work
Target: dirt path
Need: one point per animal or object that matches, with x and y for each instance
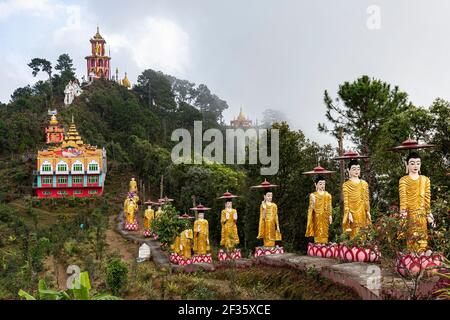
(58, 270)
(128, 251)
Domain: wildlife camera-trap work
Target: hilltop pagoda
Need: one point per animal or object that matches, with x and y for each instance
(71, 168)
(241, 121)
(98, 63)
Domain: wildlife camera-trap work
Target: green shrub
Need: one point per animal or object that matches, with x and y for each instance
(116, 276)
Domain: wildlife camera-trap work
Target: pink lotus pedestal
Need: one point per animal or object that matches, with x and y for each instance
(356, 254)
(131, 226)
(330, 250)
(223, 255)
(410, 265)
(263, 251)
(185, 262)
(202, 258)
(149, 234)
(174, 258)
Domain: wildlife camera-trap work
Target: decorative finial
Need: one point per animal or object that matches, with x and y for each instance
(72, 119)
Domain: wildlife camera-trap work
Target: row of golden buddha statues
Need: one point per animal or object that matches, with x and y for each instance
(414, 192)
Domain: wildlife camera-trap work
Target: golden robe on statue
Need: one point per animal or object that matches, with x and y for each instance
(356, 201)
(229, 236)
(183, 244)
(149, 215)
(415, 199)
(201, 236)
(133, 186)
(175, 246)
(319, 217)
(268, 224)
(131, 209)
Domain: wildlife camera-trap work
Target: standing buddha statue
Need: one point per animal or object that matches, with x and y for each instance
(133, 186)
(149, 215)
(356, 201)
(319, 213)
(201, 235)
(269, 226)
(228, 219)
(131, 221)
(414, 191)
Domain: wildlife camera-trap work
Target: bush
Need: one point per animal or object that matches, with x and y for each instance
(116, 276)
(168, 225)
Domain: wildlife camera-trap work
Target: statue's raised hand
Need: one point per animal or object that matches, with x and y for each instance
(350, 217)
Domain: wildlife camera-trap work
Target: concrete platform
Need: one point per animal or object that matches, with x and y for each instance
(368, 280)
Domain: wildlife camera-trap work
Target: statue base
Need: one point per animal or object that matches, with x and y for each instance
(131, 226)
(263, 251)
(175, 258)
(411, 264)
(356, 254)
(202, 258)
(224, 255)
(149, 234)
(330, 250)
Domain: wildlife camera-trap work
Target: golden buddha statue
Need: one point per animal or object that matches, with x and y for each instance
(356, 201)
(269, 227)
(185, 244)
(414, 191)
(149, 215)
(201, 235)
(133, 186)
(228, 219)
(98, 49)
(319, 213)
(159, 212)
(131, 210)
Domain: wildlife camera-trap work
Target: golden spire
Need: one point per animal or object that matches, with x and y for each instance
(53, 120)
(241, 115)
(126, 82)
(72, 138)
(97, 35)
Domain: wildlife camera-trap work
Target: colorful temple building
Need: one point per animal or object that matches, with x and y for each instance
(241, 122)
(98, 63)
(70, 168)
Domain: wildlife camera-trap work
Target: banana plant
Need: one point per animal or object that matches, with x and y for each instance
(80, 291)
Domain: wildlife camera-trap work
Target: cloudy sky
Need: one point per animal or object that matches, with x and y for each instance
(258, 54)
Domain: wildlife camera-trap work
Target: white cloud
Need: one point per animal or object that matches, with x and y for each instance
(42, 8)
(158, 43)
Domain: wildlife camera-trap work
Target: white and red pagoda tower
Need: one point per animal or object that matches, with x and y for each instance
(98, 63)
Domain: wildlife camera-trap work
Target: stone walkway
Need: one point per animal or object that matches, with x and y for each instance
(368, 280)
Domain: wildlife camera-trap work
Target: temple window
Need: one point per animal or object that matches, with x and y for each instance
(62, 193)
(77, 167)
(77, 192)
(92, 191)
(46, 167)
(93, 166)
(62, 180)
(61, 167)
(93, 179)
(47, 180)
(77, 180)
(47, 193)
